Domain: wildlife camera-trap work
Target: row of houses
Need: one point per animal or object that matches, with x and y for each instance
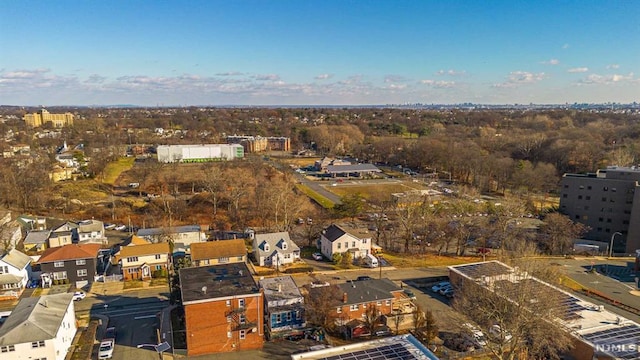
(227, 310)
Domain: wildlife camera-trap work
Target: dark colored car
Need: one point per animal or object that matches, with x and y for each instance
(362, 278)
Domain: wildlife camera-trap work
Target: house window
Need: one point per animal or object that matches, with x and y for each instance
(205, 262)
(239, 258)
(284, 245)
(243, 334)
(346, 244)
(9, 348)
(278, 318)
(339, 310)
(387, 302)
(60, 275)
(339, 246)
(364, 306)
(242, 319)
(82, 272)
(353, 244)
(287, 256)
(379, 303)
(298, 314)
(241, 303)
(81, 262)
(157, 256)
(228, 302)
(364, 241)
(223, 260)
(132, 270)
(37, 344)
(158, 267)
(289, 316)
(58, 264)
(132, 259)
(353, 307)
(4, 269)
(229, 334)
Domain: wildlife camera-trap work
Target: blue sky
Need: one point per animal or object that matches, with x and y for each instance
(308, 52)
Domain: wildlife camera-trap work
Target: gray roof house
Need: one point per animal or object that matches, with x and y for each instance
(36, 240)
(91, 231)
(275, 249)
(186, 234)
(39, 328)
(15, 271)
(284, 306)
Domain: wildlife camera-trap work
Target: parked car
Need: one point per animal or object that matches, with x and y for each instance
(448, 293)
(362, 278)
(497, 332)
(318, 283)
(410, 294)
(106, 349)
(382, 331)
(477, 334)
(317, 256)
(440, 285)
(110, 333)
(120, 227)
(109, 226)
(79, 295)
(445, 289)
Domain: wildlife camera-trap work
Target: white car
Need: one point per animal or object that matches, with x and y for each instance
(106, 349)
(498, 333)
(120, 227)
(445, 289)
(317, 256)
(79, 295)
(477, 334)
(440, 285)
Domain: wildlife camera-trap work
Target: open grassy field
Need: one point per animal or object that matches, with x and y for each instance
(86, 190)
(300, 162)
(321, 200)
(375, 190)
(115, 168)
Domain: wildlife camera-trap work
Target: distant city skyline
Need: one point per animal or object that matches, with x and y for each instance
(292, 52)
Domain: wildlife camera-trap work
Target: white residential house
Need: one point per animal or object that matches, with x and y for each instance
(39, 328)
(15, 272)
(275, 249)
(91, 231)
(341, 239)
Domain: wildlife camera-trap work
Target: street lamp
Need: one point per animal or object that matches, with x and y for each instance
(611, 245)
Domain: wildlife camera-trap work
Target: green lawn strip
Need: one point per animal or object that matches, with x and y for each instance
(321, 200)
(113, 170)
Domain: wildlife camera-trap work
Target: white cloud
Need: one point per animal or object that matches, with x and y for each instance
(565, 46)
(267, 77)
(323, 76)
(451, 72)
(440, 84)
(394, 78)
(230, 73)
(517, 78)
(578, 70)
(551, 62)
(607, 79)
(613, 66)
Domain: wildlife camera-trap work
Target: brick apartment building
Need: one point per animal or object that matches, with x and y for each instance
(224, 309)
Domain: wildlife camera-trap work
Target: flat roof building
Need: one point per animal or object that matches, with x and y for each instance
(597, 333)
(43, 117)
(608, 202)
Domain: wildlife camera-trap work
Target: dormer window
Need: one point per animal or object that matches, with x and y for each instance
(266, 246)
(284, 245)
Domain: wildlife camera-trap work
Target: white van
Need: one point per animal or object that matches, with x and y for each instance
(370, 261)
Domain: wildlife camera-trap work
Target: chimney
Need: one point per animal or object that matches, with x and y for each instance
(344, 298)
(204, 290)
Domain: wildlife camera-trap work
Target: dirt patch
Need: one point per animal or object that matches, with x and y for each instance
(83, 348)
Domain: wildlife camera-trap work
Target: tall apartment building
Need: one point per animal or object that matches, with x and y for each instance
(253, 144)
(42, 117)
(608, 202)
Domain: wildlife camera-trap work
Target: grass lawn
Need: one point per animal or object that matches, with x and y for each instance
(378, 190)
(300, 162)
(87, 190)
(115, 168)
(133, 284)
(321, 200)
(161, 281)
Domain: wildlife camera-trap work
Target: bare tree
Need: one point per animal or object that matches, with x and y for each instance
(558, 232)
(518, 314)
(320, 305)
(371, 317)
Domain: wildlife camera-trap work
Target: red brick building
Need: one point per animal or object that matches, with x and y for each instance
(224, 309)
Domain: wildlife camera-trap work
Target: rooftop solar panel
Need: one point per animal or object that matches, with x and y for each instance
(387, 352)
